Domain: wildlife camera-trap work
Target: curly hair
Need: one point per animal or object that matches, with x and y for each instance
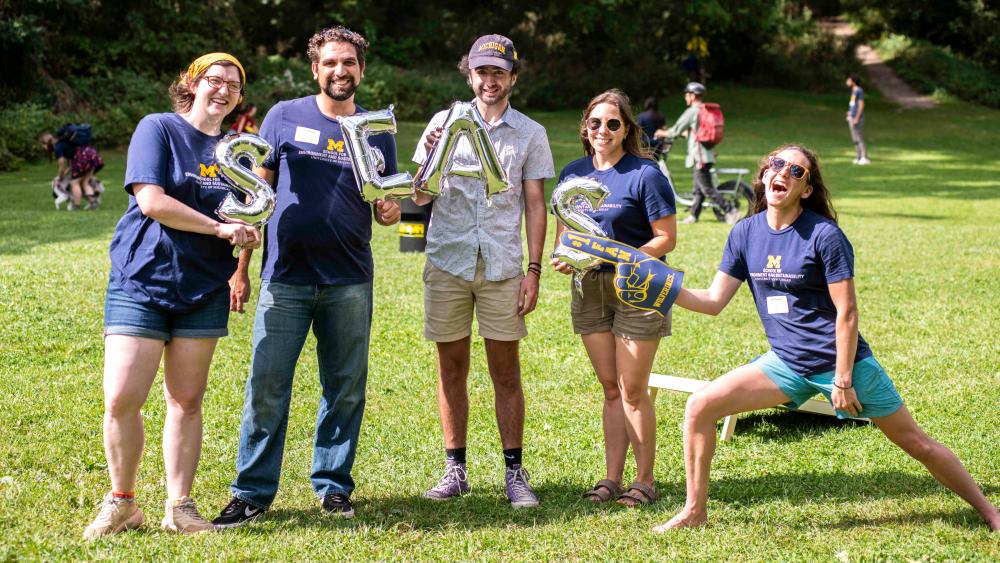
(338, 34)
(818, 201)
(633, 134)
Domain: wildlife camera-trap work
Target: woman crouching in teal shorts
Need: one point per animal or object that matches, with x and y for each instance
(800, 269)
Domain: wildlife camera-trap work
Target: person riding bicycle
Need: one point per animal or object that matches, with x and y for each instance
(699, 157)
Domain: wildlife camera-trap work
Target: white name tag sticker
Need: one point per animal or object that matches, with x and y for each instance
(307, 135)
(777, 305)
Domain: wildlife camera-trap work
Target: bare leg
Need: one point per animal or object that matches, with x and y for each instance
(505, 371)
(744, 389)
(453, 396)
(185, 376)
(601, 349)
(939, 460)
(634, 360)
(130, 365)
(75, 191)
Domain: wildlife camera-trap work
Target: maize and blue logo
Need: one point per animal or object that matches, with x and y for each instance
(334, 146)
(773, 262)
(210, 171)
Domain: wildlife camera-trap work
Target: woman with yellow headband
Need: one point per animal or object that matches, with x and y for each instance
(168, 293)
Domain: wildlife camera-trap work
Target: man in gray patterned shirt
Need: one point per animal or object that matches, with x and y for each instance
(475, 264)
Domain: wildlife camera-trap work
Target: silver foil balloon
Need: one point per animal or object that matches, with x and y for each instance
(260, 197)
(369, 161)
(565, 202)
(463, 120)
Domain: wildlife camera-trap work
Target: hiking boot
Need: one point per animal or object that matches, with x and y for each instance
(237, 513)
(689, 220)
(338, 505)
(116, 515)
(733, 216)
(518, 490)
(454, 482)
(181, 515)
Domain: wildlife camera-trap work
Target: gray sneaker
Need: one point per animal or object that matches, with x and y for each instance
(518, 490)
(454, 482)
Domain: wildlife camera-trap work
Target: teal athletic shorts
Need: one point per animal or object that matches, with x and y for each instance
(876, 393)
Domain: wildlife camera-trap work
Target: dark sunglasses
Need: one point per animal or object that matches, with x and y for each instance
(613, 124)
(794, 170)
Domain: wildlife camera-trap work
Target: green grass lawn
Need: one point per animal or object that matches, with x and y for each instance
(923, 221)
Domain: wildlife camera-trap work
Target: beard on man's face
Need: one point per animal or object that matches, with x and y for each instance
(341, 93)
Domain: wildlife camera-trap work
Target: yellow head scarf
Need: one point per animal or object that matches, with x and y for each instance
(203, 62)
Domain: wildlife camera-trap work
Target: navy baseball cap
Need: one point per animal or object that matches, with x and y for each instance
(493, 50)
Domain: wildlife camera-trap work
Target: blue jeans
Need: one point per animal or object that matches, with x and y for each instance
(341, 320)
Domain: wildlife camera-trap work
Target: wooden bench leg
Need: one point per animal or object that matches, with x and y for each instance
(728, 427)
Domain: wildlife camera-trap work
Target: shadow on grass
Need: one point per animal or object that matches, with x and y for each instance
(480, 509)
(789, 426)
(886, 215)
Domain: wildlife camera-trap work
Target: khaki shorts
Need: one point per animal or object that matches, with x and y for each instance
(450, 300)
(600, 310)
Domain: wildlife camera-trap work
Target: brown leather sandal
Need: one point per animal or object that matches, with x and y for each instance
(603, 491)
(638, 494)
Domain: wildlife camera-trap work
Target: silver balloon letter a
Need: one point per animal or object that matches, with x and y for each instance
(463, 120)
(260, 197)
(369, 161)
(566, 198)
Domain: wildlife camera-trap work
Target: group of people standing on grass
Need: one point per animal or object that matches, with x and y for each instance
(174, 280)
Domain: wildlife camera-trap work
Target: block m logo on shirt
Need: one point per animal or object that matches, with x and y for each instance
(774, 262)
(332, 145)
(208, 171)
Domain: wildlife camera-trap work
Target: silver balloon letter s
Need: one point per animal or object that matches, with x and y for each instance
(566, 199)
(260, 197)
(463, 120)
(369, 161)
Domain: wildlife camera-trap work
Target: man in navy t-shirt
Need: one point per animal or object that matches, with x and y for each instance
(317, 272)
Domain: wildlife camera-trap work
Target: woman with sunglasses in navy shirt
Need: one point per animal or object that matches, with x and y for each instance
(799, 267)
(621, 340)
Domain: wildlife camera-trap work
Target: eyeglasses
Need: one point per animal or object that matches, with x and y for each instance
(613, 124)
(794, 170)
(217, 82)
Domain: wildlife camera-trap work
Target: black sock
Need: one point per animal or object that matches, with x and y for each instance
(512, 457)
(455, 455)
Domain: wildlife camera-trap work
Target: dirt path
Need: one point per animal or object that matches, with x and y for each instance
(881, 75)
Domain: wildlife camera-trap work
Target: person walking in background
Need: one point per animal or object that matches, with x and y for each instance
(167, 296)
(621, 340)
(799, 267)
(856, 119)
(650, 120)
(474, 264)
(317, 272)
(245, 123)
(700, 159)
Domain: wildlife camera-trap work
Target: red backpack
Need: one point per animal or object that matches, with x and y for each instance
(710, 125)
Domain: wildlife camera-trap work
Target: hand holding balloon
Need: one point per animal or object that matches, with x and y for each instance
(368, 161)
(566, 201)
(260, 205)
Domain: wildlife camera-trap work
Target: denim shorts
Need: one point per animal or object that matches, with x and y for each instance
(124, 315)
(876, 393)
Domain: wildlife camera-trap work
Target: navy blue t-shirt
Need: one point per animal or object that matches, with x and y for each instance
(321, 229)
(640, 194)
(167, 268)
(789, 272)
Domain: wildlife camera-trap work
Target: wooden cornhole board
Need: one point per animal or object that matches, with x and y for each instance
(659, 381)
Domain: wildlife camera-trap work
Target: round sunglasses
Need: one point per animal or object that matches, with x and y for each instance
(613, 124)
(794, 170)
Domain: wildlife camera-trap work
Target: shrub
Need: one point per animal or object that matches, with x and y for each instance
(932, 69)
(20, 126)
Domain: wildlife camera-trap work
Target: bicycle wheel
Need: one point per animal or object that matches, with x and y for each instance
(740, 195)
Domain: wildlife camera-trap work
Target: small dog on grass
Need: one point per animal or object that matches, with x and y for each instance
(61, 193)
